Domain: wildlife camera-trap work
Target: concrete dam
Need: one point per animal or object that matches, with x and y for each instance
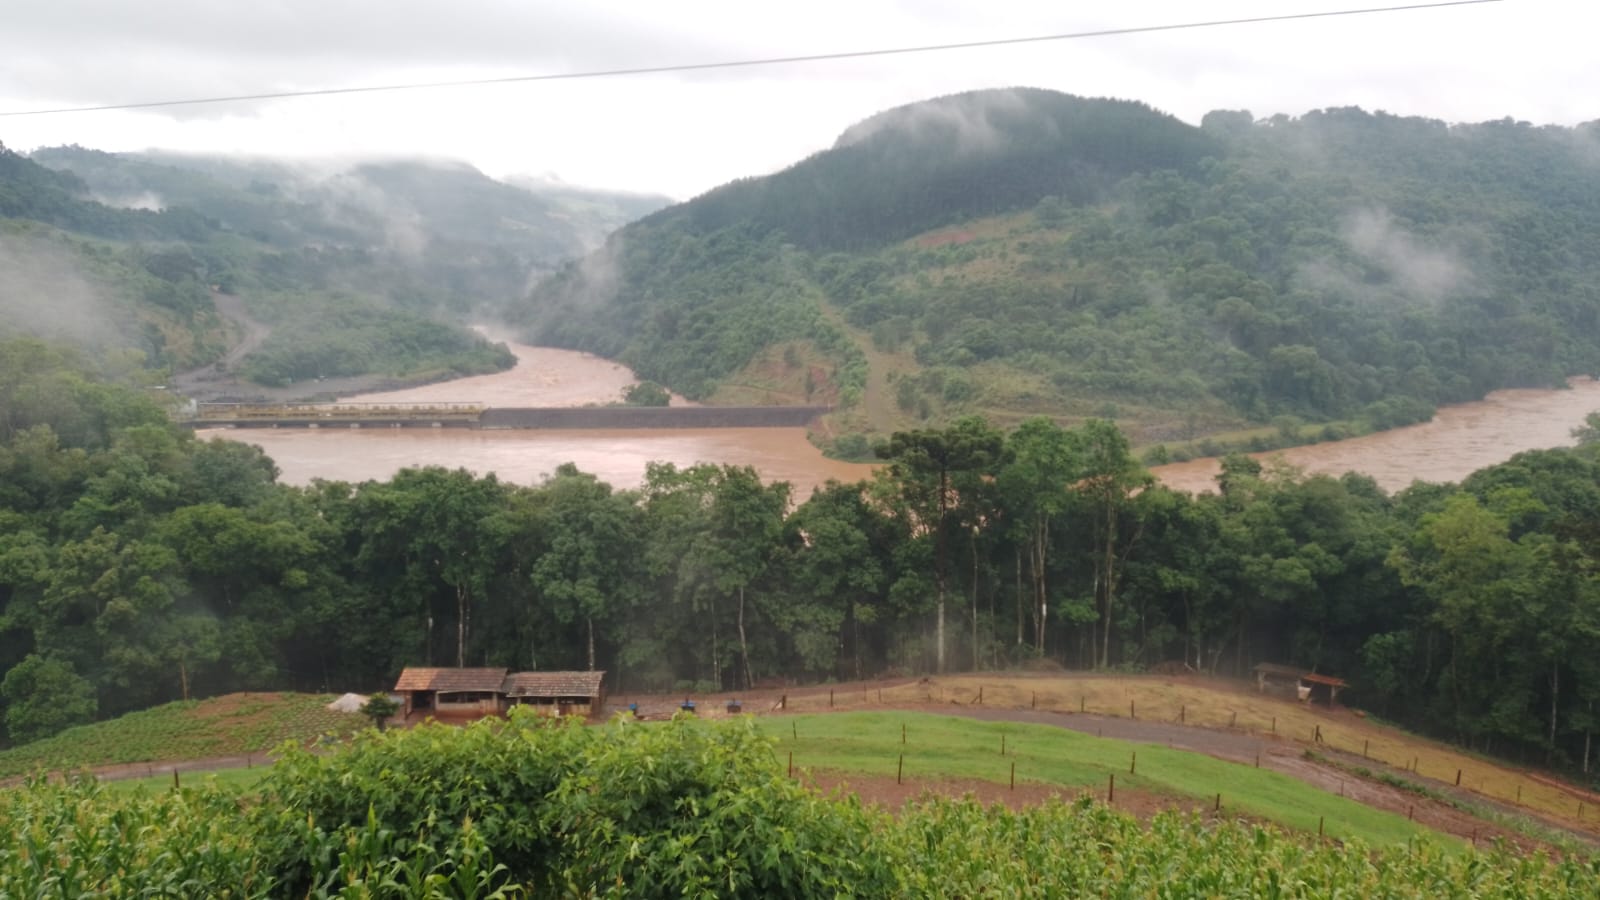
(470, 415)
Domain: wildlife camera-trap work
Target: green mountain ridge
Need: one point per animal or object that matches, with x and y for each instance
(1022, 251)
(349, 269)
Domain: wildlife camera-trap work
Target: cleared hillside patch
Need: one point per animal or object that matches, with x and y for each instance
(230, 725)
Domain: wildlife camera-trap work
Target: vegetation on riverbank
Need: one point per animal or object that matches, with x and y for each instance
(139, 565)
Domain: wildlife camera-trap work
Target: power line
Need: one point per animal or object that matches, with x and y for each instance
(746, 63)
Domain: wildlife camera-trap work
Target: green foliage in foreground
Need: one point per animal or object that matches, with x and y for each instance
(527, 808)
(183, 730)
(955, 747)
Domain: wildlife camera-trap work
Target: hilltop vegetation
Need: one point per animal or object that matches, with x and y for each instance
(510, 810)
(1020, 252)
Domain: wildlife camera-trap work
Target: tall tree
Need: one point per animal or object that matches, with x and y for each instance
(921, 481)
(1110, 476)
(1043, 462)
(588, 570)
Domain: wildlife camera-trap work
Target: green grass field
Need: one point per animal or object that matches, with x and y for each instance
(233, 781)
(951, 747)
(235, 724)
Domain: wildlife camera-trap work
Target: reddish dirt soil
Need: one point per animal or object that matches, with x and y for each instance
(946, 237)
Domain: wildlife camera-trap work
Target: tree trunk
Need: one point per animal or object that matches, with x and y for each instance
(461, 626)
(744, 648)
(1110, 583)
(1037, 556)
(716, 655)
(183, 677)
(1019, 596)
(977, 661)
(1555, 688)
(939, 565)
(590, 621)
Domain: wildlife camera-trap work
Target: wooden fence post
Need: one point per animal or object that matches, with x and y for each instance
(1013, 775)
(900, 769)
(1133, 764)
(1111, 789)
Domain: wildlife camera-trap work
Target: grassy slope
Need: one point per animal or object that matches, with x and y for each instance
(221, 726)
(1218, 705)
(946, 747)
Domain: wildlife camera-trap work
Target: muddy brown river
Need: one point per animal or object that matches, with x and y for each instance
(1459, 440)
(542, 377)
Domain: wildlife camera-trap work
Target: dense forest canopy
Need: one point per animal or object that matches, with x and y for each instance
(1019, 252)
(139, 564)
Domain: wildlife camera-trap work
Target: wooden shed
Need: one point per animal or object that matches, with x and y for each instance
(1272, 678)
(451, 692)
(557, 693)
(1289, 681)
(1323, 687)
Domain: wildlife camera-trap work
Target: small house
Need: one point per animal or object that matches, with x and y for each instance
(1323, 687)
(556, 693)
(471, 693)
(1272, 678)
(450, 692)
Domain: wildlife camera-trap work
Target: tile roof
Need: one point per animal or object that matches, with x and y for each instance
(416, 678)
(552, 684)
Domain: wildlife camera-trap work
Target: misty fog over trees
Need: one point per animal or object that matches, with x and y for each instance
(1023, 251)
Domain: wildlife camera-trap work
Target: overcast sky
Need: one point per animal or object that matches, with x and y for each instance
(681, 134)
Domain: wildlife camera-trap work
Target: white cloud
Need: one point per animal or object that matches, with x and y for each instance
(684, 133)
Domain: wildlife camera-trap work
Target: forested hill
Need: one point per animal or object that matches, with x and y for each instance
(1021, 251)
(367, 268)
(918, 167)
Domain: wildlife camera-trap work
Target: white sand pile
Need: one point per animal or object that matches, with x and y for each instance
(349, 703)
